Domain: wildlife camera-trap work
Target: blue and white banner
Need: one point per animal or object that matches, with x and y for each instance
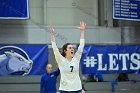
(110, 59)
(14, 9)
(126, 9)
(23, 59)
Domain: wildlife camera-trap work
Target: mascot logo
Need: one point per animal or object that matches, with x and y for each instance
(14, 61)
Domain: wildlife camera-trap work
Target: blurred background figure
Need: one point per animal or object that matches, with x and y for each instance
(97, 77)
(48, 80)
(122, 77)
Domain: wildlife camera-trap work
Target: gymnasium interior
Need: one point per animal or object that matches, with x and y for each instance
(104, 28)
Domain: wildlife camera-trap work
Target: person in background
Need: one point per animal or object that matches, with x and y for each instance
(96, 77)
(48, 80)
(122, 77)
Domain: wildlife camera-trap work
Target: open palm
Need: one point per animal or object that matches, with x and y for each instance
(82, 26)
(51, 29)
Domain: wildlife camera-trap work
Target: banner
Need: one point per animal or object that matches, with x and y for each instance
(23, 59)
(110, 59)
(126, 9)
(14, 9)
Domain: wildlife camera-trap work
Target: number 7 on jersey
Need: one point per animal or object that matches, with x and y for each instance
(71, 68)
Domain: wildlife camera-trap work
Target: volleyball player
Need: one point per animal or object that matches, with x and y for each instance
(68, 63)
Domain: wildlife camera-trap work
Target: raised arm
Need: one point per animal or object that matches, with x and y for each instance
(57, 72)
(82, 40)
(57, 54)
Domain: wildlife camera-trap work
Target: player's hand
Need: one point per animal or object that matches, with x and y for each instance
(82, 26)
(52, 33)
(51, 30)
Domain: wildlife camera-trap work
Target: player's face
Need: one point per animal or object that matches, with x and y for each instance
(49, 68)
(70, 51)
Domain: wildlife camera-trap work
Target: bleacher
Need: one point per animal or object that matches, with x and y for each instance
(20, 84)
(31, 84)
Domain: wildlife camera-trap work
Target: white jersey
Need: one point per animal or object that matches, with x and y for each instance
(70, 80)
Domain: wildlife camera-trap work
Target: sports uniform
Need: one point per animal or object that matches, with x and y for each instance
(70, 80)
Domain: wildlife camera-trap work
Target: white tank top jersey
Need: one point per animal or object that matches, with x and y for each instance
(70, 79)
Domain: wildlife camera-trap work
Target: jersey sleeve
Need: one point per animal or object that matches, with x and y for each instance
(78, 54)
(57, 72)
(57, 54)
